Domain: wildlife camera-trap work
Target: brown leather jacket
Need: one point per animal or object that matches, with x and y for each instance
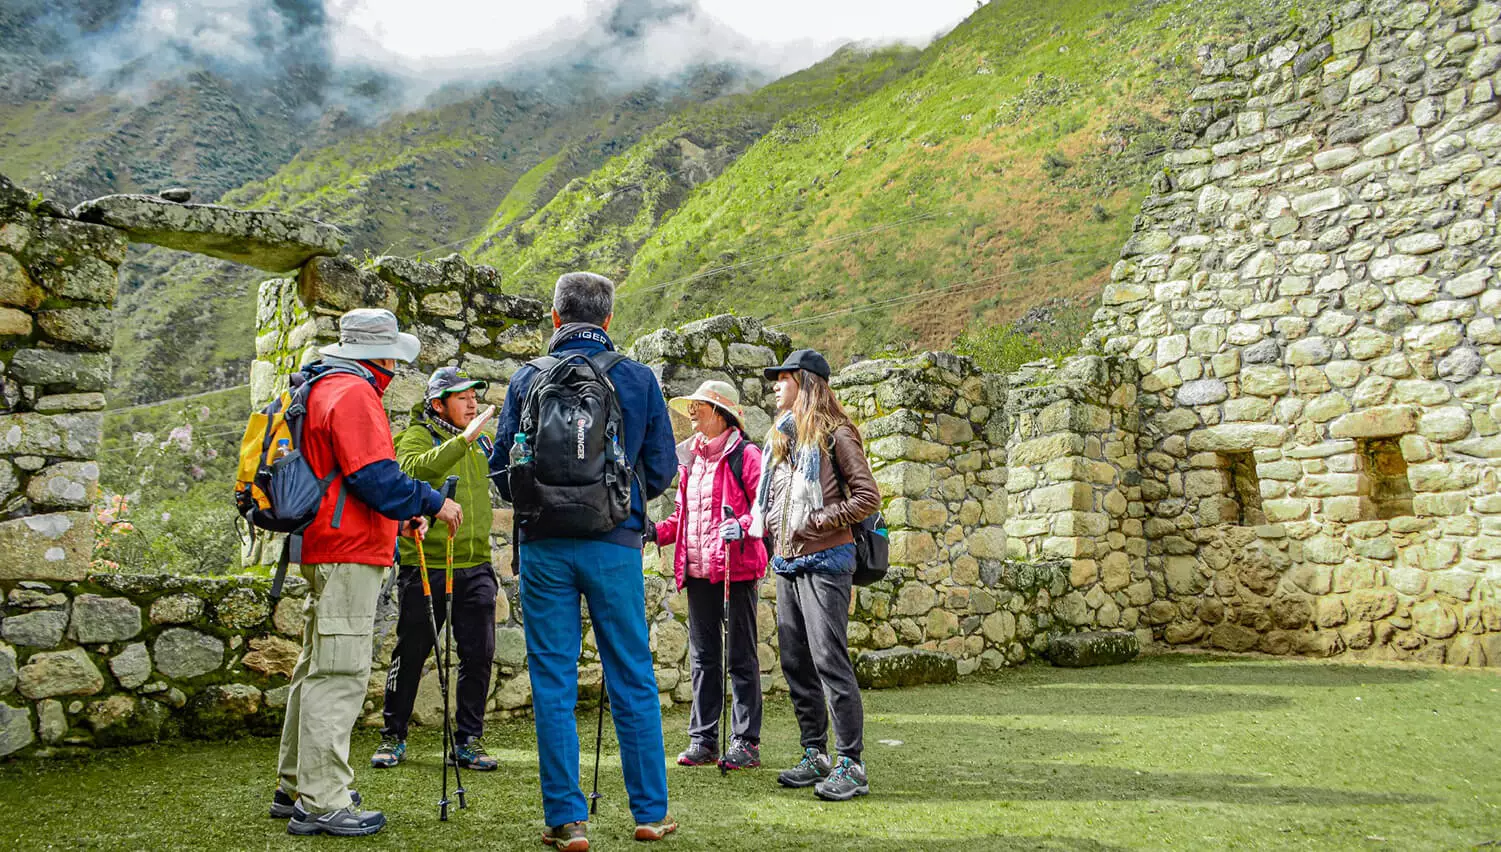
(829, 526)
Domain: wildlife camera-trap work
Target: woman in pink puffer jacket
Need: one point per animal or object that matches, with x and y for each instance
(708, 526)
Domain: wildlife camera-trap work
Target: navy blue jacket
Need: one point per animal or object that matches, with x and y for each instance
(648, 441)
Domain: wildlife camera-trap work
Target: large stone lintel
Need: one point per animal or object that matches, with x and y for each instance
(275, 242)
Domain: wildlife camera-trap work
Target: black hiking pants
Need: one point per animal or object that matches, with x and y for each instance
(474, 637)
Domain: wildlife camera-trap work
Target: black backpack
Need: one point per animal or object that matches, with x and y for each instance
(872, 542)
(578, 481)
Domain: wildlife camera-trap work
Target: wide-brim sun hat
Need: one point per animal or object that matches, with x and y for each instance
(722, 395)
(371, 334)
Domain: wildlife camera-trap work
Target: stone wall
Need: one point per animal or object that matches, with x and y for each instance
(1311, 299)
(114, 659)
(57, 285)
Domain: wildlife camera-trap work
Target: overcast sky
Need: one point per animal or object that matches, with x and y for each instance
(443, 29)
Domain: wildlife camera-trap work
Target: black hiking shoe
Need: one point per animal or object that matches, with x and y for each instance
(568, 837)
(344, 822)
(846, 782)
(472, 755)
(282, 804)
(391, 752)
(814, 767)
(743, 754)
(698, 754)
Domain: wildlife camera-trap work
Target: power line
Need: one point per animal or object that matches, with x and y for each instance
(162, 402)
(885, 226)
(920, 295)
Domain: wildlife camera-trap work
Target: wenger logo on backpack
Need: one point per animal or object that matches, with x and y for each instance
(575, 480)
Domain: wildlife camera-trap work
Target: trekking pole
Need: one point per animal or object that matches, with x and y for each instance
(452, 750)
(432, 622)
(724, 659)
(599, 735)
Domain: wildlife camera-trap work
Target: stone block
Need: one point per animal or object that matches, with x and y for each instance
(183, 608)
(183, 654)
(99, 620)
(47, 547)
(41, 629)
(52, 673)
(132, 666)
(1096, 648)
(1379, 422)
(15, 729)
(899, 667)
(272, 656)
(1236, 437)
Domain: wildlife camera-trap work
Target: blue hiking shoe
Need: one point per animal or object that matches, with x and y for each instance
(390, 753)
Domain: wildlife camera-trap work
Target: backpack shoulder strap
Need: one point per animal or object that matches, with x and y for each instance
(543, 364)
(607, 360)
(736, 461)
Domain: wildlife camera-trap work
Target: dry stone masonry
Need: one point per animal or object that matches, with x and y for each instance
(1311, 300)
(1283, 434)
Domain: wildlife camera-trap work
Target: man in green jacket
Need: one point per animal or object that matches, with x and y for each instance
(445, 440)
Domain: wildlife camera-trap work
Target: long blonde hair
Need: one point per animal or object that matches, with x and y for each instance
(816, 416)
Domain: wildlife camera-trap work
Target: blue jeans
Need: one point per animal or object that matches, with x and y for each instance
(554, 574)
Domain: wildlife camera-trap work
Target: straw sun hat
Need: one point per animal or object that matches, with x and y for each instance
(722, 395)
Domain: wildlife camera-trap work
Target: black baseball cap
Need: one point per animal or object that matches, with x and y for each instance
(802, 359)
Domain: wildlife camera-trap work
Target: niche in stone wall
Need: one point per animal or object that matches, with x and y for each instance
(1386, 473)
(1244, 488)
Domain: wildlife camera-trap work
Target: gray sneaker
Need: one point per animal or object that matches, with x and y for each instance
(814, 767)
(846, 782)
(344, 822)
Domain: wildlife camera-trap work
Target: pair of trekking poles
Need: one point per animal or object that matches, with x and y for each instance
(443, 656)
(724, 665)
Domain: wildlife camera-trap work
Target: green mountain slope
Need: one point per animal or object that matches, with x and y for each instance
(601, 220)
(422, 182)
(1003, 171)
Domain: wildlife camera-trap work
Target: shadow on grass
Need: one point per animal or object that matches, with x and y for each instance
(1232, 671)
(824, 841)
(1070, 782)
(1083, 699)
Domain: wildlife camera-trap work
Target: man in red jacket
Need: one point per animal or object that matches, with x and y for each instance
(345, 553)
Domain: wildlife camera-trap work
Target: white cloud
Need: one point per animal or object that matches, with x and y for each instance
(439, 31)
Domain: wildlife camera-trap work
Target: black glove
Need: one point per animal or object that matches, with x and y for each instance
(650, 533)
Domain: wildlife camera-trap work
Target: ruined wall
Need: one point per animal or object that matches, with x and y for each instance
(1311, 299)
(57, 285)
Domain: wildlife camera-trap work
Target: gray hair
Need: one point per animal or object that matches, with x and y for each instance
(584, 297)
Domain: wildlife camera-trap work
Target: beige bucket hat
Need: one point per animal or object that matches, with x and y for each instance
(721, 395)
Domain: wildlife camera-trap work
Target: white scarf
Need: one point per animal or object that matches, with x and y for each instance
(806, 492)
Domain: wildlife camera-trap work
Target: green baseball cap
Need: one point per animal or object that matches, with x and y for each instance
(447, 380)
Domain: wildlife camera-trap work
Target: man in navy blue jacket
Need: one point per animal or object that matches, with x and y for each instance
(606, 571)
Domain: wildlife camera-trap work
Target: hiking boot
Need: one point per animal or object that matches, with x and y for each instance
(472, 755)
(743, 754)
(569, 837)
(282, 803)
(650, 831)
(390, 753)
(814, 767)
(344, 822)
(699, 754)
(846, 782)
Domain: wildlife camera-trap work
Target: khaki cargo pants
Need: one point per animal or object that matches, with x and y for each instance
(328, 684)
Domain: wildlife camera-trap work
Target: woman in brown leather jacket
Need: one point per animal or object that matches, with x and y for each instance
(815, 485)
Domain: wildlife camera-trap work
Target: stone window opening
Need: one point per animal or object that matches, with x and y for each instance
(1386, 473)
(1244, 488)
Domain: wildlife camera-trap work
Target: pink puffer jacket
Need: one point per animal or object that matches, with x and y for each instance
(747, 557)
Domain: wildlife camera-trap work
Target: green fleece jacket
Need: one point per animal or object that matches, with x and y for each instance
(426, 453)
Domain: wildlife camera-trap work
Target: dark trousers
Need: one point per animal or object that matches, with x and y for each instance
(812, 629)
(706, 647)
(474, 634)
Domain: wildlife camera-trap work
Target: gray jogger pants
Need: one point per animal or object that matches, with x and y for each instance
(705, 638)
(812, 629)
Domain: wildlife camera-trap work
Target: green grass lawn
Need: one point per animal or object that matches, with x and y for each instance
(1179, 752)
